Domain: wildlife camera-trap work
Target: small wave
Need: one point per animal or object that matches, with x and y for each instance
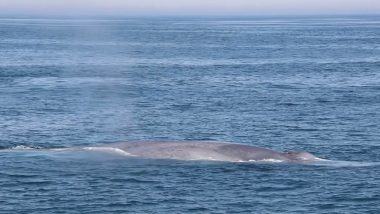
(60, 149)
(108, 149)
(334, 163)
(24, 147)
(319, 162)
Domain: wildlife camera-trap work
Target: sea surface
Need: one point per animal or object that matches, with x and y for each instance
(285, 83)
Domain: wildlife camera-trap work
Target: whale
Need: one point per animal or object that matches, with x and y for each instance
(206, 150)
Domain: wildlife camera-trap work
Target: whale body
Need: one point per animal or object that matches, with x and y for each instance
(207, 150)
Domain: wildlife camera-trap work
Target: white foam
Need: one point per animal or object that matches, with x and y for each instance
(23, 147)
(108, 149)
(272, 160)
(263, 160)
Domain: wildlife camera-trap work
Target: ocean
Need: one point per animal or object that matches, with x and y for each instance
(284, 83)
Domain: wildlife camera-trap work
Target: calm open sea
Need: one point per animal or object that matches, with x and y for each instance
(301, 83)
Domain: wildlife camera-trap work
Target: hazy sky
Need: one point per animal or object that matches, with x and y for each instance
(187, 7)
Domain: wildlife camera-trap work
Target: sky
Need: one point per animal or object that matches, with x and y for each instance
(187, 7)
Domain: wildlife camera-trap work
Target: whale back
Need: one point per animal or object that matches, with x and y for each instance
(300, 156)
(207, 150)
(250, 153)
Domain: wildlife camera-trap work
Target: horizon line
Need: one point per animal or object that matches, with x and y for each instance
(90, 16)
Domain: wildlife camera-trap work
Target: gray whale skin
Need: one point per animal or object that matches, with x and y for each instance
(207, 150)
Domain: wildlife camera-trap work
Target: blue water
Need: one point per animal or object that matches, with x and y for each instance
(306, 83)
